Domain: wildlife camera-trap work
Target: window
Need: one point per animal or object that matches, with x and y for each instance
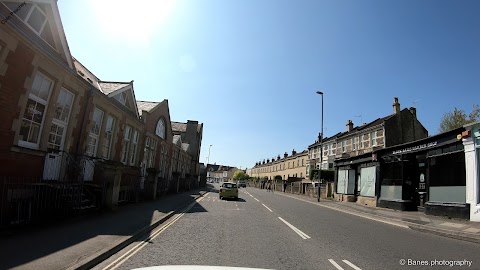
(355, 143)
(160, 130)
(126, 144)
(344, 146)
(303, 162)
(373, 139)
(122, 98)
(108, 137)
(60, 120)
(34, 15)
(362, 145)
(92, 141)
(133, 152)
(37, 19)
(35, 110)
(153, 150)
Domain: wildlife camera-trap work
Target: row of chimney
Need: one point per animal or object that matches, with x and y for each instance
(396, 109)
(278, 158)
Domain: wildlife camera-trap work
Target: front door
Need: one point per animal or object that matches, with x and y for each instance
(421, 189)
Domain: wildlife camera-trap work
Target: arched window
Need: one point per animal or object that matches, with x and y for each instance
(160, 130)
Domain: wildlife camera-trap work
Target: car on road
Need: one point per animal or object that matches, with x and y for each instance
(228, 190)
(241, 183)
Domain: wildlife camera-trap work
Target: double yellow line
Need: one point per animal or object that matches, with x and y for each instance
(127, 255)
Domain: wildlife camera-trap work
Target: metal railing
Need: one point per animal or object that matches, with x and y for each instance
(31, 200)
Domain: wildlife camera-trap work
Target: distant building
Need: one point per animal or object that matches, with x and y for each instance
(288, 166)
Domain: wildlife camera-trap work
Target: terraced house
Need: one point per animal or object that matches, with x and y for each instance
(293, 166)
(70, 141)
(350, 152)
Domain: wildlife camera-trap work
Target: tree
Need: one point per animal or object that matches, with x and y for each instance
(239, 175)
(458, 118)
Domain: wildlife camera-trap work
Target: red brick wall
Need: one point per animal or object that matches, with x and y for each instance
(11, 88)
(78, 128)
(19, 68)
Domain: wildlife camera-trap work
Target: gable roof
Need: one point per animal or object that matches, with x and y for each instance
(182, 127)
(146, 106)
(110, 87)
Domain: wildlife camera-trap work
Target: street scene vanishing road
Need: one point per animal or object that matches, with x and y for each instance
(273, 230)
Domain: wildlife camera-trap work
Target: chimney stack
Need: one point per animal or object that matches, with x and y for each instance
(285, 155)
(293, 152)
(413, 111)
(396, 105)
(349, 125)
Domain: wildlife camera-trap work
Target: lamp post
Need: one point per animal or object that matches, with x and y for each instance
(321, 152)
(208, 157)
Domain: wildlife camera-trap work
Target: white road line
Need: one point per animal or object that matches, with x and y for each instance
(256, 199)
(351, 213)
(335, 264)
(352, 265)
(295, 229)
(119, 261)
(267, 207)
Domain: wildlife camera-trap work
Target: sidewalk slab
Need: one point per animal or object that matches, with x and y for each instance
(80, 244)
(457, 229)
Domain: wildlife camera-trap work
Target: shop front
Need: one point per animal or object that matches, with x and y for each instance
(471, 142)
(356, 179)
(427, 174)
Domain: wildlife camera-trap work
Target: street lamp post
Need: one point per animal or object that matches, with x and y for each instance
(208, 157)
(321, 152)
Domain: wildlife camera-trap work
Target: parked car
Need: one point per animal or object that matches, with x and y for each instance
(228, 190)
(242, 183)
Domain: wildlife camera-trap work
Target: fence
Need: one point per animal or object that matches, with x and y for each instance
(30, 200)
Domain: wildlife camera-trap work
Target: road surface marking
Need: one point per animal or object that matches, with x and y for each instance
(119, 261)
(295, 229)
(267, 207)
(352, 265)
(351, 213)
(335, 264)
(256, 199)
(250, 195)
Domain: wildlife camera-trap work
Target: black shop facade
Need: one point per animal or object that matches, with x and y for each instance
(426, 175)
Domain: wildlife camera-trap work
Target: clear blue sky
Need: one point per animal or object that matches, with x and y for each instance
(249, 69)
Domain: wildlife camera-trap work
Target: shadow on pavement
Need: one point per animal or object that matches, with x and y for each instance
(84, 235)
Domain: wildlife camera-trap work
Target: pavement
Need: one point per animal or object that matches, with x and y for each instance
(271, 231)
(415, 220)
(82, 243)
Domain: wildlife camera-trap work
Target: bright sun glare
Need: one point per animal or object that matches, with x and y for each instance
(134, 22)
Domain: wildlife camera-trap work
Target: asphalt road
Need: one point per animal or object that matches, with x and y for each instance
(269, 230)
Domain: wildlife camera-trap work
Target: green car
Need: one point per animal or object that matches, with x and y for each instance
(228, 190)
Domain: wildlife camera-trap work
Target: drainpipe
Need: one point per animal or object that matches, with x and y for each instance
(89, 94)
